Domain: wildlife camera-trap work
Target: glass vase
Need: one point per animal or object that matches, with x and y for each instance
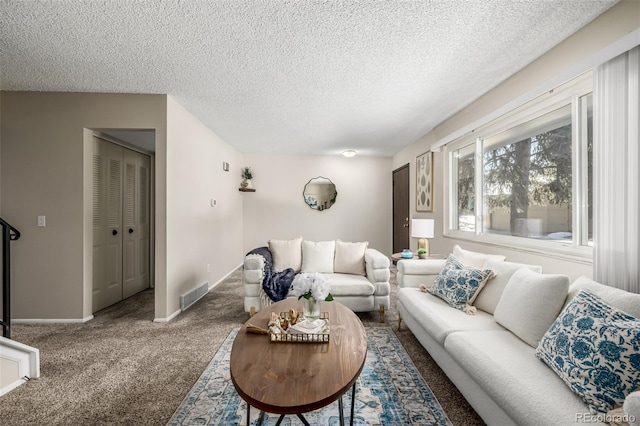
(311, 310)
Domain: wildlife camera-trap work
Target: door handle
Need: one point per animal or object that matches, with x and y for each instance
(405, 225)
(131, 230)
(114, 232)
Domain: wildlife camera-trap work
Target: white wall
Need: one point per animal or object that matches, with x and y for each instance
(277, 210)
(197, 233)
(613, 25)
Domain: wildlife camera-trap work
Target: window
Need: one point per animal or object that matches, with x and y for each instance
(525, 178)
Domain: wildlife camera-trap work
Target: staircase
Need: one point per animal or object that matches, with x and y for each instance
(18, 362)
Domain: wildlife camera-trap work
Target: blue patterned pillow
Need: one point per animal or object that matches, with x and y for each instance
(595, 349)
(458, 285)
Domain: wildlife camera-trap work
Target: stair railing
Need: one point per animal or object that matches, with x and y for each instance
(9, 233)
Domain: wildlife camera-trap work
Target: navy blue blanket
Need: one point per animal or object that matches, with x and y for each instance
(275, 284)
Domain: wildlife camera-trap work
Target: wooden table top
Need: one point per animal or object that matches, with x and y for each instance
(293, 378)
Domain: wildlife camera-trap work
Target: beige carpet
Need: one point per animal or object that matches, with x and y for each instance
(123, 369)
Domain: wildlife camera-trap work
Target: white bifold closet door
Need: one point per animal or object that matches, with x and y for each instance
(121, 244)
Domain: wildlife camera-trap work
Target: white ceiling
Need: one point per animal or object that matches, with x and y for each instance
(288, 77)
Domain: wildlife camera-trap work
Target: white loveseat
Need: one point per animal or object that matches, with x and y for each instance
(358, 275)
(493, 365)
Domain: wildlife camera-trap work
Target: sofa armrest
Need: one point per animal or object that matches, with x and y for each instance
(377, 267)
(414, 272)
(252, 276)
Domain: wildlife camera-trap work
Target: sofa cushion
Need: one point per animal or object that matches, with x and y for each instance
(349, 258)
(530, 303)
(473, 258)
(458, 285)
(595, 349)
(623, 300)
(349, 285)
(318, 256)
(506, 368)
(490, 295)
(438, 318)
(286, 254)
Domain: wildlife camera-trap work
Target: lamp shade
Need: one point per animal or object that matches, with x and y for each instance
(422, 228)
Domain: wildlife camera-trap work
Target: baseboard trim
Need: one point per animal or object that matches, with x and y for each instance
(169, 318)
(51, 320)
(178, 312)
(211, 286)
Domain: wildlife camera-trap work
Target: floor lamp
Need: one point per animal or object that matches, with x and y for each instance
(422, 229)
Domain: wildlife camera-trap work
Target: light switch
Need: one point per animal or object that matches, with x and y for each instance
(42, 221)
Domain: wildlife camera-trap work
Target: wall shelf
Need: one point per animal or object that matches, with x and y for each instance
(246, 189)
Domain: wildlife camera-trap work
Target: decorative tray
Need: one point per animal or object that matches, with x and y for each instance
(293, 327)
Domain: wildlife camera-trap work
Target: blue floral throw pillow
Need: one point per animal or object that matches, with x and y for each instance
(595, 349)
(458, 285)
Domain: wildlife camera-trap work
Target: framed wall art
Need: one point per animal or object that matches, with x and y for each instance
(424, 182)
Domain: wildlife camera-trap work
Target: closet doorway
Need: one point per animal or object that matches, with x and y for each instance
(121, 223)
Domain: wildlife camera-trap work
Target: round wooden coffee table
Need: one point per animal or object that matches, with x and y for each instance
(295, 378)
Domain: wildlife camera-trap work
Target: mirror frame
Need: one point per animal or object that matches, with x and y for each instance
(330, 202)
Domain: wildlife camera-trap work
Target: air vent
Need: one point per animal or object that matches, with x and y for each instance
(188, 299)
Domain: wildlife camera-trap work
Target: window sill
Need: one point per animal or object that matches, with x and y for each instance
(556, 249)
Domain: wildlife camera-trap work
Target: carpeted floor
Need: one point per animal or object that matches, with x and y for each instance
(123, 369)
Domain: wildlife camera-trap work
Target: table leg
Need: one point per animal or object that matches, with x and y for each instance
(280, 420)
(301, 417)
(340, 408)
(353, 403)
(248, 414)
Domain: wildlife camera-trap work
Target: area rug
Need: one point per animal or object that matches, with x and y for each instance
(389, 391)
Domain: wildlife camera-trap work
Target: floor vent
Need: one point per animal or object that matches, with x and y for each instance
(186, 300)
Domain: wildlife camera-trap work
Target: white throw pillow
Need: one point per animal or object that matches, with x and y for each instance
(490, 295)
(473, 258)
(349, 258)
(318, 256)
(616, 297)
(286, 254)
(530, 303)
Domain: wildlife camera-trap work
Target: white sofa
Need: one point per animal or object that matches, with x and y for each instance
(358, 275)
(492, 366)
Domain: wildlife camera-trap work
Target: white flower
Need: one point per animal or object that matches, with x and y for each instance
(320, 290)
(311, 285)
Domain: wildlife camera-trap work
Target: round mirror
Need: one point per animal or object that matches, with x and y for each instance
(320, 193)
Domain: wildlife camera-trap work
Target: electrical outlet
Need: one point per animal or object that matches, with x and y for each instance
(42, 221)
(208, 267)
(214, 202)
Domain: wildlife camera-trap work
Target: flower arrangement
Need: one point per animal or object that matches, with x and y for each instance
(422, 251)
(310, 285)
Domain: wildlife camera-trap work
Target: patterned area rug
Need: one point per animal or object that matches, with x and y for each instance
(389, 391)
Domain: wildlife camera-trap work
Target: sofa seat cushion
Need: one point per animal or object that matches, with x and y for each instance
(507, 369)
(349, 285)
(438, 318)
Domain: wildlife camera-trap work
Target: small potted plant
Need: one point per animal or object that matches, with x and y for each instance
(422, 253)
(247, 175)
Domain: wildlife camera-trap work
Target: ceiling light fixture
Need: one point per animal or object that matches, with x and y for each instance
(349, 153)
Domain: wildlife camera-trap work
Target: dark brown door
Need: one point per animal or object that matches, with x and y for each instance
(401, 208)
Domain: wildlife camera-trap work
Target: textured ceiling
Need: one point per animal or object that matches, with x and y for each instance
(288, 77)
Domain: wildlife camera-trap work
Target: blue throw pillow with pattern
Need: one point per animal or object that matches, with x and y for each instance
(595, 349)
(458, 285)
